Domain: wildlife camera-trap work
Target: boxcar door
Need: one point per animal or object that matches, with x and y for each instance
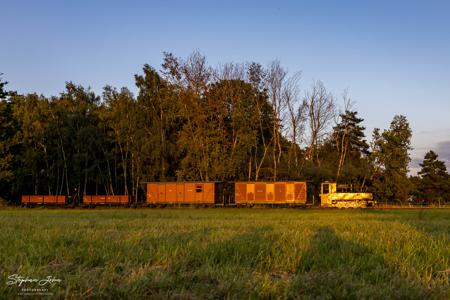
(171, 192)
(180, 192)
(280, 192)
(199, 192)
(251, 192)
(270, 191)
(300, 192)
(208, 192)
(162, 192)
(290, 187)
(152, 192)
(189, 193)
(240, 192)
(260, 192)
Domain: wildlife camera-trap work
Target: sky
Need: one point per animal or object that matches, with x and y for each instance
(393, 57)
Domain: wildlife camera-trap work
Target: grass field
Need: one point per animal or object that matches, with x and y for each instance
(228, 253)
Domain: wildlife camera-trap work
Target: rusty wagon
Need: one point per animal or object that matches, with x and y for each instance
(33, 200)
(111, 200)
(202, 193)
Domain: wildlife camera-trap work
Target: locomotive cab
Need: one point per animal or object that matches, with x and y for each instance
(327, 188)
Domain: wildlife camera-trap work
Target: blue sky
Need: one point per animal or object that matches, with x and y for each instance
(392, 56)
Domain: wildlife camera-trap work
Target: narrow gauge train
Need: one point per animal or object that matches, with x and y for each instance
(287, 193)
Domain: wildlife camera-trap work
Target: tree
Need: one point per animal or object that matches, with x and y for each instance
(3, 92)
(390, 158)
(295, 123)
(434, 179)
(6, 134)
(74, 134)
(233, 133)
(119, 118)
(275, 81)
(31, 112)
(256, 76)
(7, 131)
(351, 146)
(158, 112)
(224, 117)
(321, 110)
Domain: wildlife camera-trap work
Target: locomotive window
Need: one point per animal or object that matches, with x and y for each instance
(326, 189)
(198, 189)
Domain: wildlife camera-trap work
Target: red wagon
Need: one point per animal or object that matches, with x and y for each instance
(112, 200)
(32, 200)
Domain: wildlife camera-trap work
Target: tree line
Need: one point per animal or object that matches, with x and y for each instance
(194, 122)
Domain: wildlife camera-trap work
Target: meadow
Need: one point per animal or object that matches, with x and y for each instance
(227, 253)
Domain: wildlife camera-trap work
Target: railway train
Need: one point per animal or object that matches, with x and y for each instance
(251, 193)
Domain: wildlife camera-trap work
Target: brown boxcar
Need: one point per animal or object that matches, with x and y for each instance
(44, 200)
(106, 200)
(187, 193)
(270, 193)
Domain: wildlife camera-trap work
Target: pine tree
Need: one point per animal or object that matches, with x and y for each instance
(3, 92)
(434, 178)
(351, 145)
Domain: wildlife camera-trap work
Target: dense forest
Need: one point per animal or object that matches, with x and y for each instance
(193, 122)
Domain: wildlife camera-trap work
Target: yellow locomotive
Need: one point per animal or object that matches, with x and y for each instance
(344, 196)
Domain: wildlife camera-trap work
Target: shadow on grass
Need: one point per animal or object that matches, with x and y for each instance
(433, 223)
(334, 268)
(218, 269)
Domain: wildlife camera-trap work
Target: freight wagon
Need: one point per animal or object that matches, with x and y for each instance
(111, 200)
(33, 200)
(200, 193)
(221, 193)
(272, 193)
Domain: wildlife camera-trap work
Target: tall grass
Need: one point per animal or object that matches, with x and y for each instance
(229, 253)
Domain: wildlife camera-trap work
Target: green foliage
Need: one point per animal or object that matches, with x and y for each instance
(3, 92)
(8, 128)
(118, 118)
(157, 124)
(32, 115)
(434, 185)
(351, 148)
(223, 136)
(390, 158)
